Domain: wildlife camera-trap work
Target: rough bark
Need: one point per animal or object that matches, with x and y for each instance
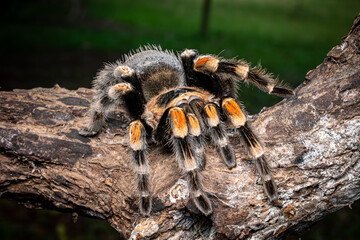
(311, 140)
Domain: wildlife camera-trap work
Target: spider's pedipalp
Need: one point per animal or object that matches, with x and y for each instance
(238, 119)
(197, 140)
(183, 144)
(197, 106)
(137, 143)
(218, 134)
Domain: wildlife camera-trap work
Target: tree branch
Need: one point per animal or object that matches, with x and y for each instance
(312, 143)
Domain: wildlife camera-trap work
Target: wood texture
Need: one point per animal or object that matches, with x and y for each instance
(311, 141)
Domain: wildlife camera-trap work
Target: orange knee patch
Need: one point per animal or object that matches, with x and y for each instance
(123, 87)
(212, 114)
(194, 125)
(209, 64)
(136, 132)
(124, 69)
(178, 122)
(237, 117)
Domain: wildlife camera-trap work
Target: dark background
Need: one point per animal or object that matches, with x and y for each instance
(44, 42)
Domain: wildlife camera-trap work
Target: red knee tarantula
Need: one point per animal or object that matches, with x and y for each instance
(181, 101)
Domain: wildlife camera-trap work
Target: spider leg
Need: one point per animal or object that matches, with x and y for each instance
(219, 135)
(241, 70)
(238, 119)
(197, 140)
(137, 142)
(107, 99)
(99, 109)
(182, 127)
(196, 127)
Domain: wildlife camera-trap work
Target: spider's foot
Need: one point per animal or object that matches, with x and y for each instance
(200, 198)
(227, 154)
(267, 179)
(86, 132)
(145, 205)
(203, 203)
(282, 92)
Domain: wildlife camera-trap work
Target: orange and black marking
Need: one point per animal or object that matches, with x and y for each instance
(233, 111)
(178, 122)
(137, 135)
(123, 87)
(194, 125)
(124, 70)
(212, 115)
(206, 64)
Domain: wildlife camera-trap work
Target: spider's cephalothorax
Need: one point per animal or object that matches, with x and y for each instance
(178, 100)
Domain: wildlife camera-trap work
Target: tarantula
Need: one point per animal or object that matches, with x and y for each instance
(181, 101)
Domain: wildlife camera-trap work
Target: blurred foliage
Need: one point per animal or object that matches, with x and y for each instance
(43, 42)
(287, 37)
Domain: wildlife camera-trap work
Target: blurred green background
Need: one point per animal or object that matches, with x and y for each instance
(44, 42)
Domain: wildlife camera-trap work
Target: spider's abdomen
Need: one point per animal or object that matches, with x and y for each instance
(157, 70)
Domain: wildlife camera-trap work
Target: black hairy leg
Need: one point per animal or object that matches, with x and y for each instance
(185, 154)
(137, 143)
(224, 69)
(99, 109)
(218, 134)
(237, 117)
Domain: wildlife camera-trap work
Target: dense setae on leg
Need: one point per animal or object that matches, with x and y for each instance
(197, 140)
(99, 109)
(182, 145)
(238, 119)
(137, 143)
(225, 68)
(219, 135)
